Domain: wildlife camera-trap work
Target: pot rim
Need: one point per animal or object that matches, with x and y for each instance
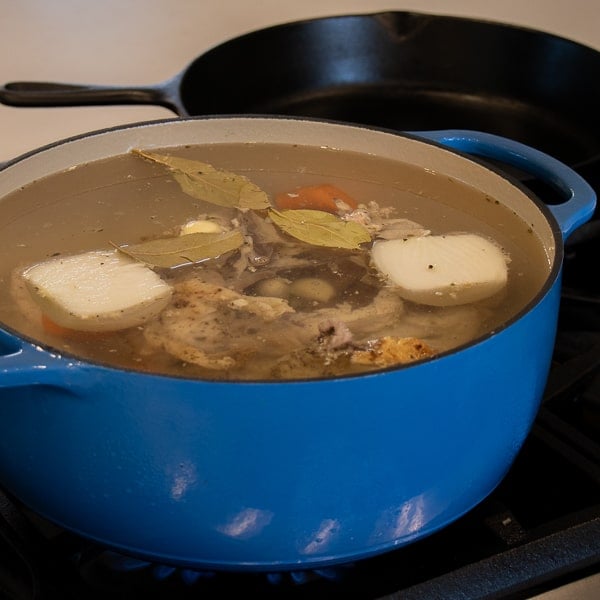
(552, 278)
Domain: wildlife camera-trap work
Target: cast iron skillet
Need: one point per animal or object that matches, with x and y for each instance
(403, 70)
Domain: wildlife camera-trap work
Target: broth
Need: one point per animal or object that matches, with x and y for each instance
(126, 199)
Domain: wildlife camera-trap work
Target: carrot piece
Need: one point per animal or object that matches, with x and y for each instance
(325, 197)
(55, 329)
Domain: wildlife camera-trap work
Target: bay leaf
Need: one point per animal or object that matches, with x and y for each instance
(321, 228)
(204, 182)
(185, 249)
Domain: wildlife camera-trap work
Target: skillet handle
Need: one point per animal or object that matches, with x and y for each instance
(34, 93)
(580, 198)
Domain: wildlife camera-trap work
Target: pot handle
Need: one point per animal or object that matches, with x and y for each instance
(24, 364)
(580, 198)
(40, 93)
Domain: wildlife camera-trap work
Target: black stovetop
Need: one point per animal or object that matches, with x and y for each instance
(539, 529)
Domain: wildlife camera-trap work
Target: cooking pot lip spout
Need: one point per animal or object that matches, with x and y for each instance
(453, 148)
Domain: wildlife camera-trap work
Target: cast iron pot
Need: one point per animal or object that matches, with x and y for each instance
(282, 475)
(402, 70)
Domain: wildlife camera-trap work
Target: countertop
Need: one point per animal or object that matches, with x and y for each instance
(140, 42)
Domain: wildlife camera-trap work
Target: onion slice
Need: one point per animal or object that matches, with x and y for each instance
(443, 270)
(97, 291)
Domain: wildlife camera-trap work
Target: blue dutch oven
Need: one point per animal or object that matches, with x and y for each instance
(283, 475)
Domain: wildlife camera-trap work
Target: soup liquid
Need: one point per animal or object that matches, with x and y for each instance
(126, 199)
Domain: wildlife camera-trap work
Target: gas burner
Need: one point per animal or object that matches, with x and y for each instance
(107, 563)
(134, 578)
